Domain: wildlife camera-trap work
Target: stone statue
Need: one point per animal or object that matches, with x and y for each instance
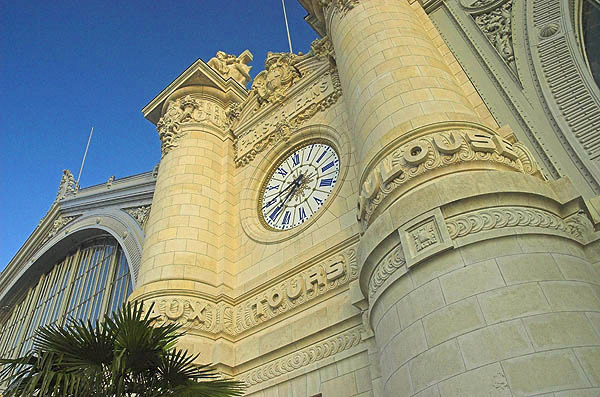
(231, 66)
(66, 185)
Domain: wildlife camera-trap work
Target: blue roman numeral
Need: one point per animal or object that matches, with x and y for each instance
(275, 212)
(281, 171)
(326, 167)
(326, 182)
(318, 200)
(296, 159)
(302, 213)
(272, 187)
(322, 154)
(286, 218)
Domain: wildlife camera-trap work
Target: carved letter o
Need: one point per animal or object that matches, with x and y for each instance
(416, 153)
(274, 298)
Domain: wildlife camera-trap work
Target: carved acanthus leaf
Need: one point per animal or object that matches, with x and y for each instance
(342, 6)
(140, 214)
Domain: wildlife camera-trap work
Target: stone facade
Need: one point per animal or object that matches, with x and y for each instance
(458, 253)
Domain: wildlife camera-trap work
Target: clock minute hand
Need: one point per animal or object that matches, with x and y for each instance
(294, 183)
(296, 186)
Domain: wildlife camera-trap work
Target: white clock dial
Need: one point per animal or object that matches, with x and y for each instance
(299, 186)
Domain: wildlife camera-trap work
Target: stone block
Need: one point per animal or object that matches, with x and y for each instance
(453, 320)
(399, 383)
(363, 380)
(432, 391)
(575, 268)
(512, 302)
(484, 381)
(544, 373)
(435, 365)
(591, 392)
(406, 345)
(342, 386)
(387, 328)
(420, 302)
(471, 280)
(436, 266)
(494, 343)
(589, 357)
(490, 249)
(571, 295)
(559, 330)
(521, 268)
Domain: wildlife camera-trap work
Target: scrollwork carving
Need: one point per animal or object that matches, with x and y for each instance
(393, 261)
(498, 218)
(57, 225)
(301, 358)
(279, 75)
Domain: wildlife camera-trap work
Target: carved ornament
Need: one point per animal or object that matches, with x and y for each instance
(231, 66)
(183, 111)
(319, 96)
(390, 263)
(341, 6)
(494, 19)
(503, 217)
(434, 152)
(140, 214)
(303, 357)
(280, 72)
(322, 48)
(66, 186)
(57, 225)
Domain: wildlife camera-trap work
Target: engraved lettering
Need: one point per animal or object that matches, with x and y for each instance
(197, 311)
(416, 153)
(505, 148)
(334, 270)
(481, 142)
(448, 144)
(315, 277)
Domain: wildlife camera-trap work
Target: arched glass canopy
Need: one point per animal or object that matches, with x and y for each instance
(88, 283)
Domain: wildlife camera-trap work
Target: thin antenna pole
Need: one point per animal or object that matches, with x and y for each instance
(287, 28)
(84, 155)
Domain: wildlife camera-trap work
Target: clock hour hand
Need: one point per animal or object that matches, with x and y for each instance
(294, 183)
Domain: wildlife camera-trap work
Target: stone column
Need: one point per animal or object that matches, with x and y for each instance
(186, 260)
(469, 257)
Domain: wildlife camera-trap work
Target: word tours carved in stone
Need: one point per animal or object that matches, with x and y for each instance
(436, 151)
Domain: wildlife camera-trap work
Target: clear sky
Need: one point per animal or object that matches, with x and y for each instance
(66, 66)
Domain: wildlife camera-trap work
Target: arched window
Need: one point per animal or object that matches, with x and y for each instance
(88, 283)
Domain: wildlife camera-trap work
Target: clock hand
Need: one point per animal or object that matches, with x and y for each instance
(294, 183)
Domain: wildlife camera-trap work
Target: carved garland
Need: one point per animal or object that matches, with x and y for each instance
(435, 151)
(303, 357)
(498, 218)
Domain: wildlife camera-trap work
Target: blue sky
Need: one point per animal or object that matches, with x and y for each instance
(68, 65)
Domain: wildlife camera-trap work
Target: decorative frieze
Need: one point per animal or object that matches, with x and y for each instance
(193, 313)
(140, 214)
(390, 263)
(436, 151)
(318, 96)
(186, 110)
(504, 217)
(303, 357)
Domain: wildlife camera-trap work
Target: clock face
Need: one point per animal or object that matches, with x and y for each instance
(299, 185)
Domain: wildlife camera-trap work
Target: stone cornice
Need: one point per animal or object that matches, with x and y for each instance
(197, 74)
